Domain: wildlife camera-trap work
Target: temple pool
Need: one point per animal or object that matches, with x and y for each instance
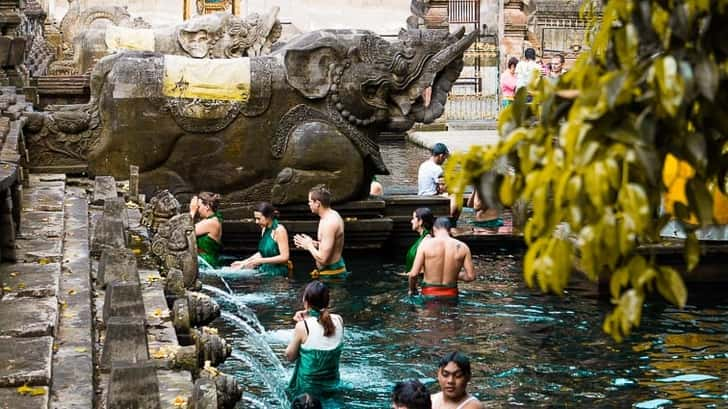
(527, 349)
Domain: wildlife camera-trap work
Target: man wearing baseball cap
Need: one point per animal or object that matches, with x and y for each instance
(430, 170)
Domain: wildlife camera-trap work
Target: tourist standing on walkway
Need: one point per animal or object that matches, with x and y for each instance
(316, 345)
(411, 395)
(526, 68)
(273, 256)
(431, 169)
(327, 251)
(557, 66)
(208, 229)
(442, 257)
(508, 83)
(453, 375)
(422, 220)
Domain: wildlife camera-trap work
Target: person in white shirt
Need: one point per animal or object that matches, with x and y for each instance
(430, 170)
(526, 68)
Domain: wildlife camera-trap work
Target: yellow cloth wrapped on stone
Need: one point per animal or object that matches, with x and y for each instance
(219, 79)
(124, 38)
(675, 176)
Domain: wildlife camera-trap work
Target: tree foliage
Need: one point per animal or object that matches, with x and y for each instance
(590, 151)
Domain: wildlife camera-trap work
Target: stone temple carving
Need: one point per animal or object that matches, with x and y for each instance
(175, 244)
(217, 35)
(160, 209)
(259, 127)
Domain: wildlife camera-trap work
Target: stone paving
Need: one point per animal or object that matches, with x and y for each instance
(29, 308)
(456, 141)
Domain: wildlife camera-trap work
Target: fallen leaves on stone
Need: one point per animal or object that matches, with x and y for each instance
(14, 274)
(151, 279)
(136, 251)
(159, 313)
(32, 391)
(80, 349)
(180, 402)
(7, 289)
(21, 286)
(71, 291)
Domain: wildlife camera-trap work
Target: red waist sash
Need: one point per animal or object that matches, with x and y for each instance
(437, 291)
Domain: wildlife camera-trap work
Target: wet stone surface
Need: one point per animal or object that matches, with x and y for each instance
(25, 361)
(28, 317)
(30, 279)
(39, 250)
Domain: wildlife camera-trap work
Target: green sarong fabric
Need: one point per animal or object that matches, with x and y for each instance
(208, 248)
(267, 247)
(488, 224)
(333, 270)
(412, 252)
(316, 372)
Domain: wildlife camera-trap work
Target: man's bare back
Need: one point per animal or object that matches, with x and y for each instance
(444, 258)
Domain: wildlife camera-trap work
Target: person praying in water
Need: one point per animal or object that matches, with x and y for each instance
(273, 256)
(208, 229)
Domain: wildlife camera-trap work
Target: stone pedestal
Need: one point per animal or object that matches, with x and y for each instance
(126, 341)
(133, 386)
(123, 299)
(117, 265)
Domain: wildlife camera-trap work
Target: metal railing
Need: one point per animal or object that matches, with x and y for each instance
(464, 12)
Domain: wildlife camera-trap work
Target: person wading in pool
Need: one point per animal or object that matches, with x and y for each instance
(327, 250)
(442, 258)
(453, 375)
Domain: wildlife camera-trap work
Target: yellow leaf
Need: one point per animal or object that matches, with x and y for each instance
(80, 349)
(7, 289)
(43, 261)
(157, 312)
(71, 291)
(136, 251)
(13, 274)
(21, 286)
(32, 391)
(180, 402)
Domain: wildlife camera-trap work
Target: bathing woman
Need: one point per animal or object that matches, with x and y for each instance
(421, 222)
(316, 345)
(273, 253)
(208, 229)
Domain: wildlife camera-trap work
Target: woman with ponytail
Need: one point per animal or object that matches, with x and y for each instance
(273, 253)
(316, 345)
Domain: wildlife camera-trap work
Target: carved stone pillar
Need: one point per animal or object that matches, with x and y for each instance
(515, 31)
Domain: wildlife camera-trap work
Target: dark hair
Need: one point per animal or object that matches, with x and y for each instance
(267, 210)
(442, 223)
(530, 54)
(306, 401)
(560, 57)
(411, 394)
(459, 359)
(316, 295)
(210, 199)
(513, 61)
(425, 215)
(321, 194)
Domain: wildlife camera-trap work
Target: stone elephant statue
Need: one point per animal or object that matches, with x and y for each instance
(308, 114)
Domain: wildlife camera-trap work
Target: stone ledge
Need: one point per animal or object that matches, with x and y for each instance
(31, 279)
(25, 361)
(28, 317)
(33, 251)
(11, 399)
(41, 225)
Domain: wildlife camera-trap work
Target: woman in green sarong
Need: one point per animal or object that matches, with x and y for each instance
(273, 256)
(422, 220)
(208, 229)
(316, 345)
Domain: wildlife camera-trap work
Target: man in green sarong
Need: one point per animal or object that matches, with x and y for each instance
(327, 251)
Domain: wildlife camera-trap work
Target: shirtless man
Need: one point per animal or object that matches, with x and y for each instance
(442, 258)
(327, 250)
(453, 375)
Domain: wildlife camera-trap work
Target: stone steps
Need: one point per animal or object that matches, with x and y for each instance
(29, 308)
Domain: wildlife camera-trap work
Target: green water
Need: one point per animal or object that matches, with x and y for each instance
(527, 350)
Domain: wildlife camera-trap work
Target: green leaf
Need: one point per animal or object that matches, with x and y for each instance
(671, 286)
(700, 199)
(692, 251)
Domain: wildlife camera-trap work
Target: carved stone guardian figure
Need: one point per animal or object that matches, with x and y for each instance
(162, 207)
(175, 244)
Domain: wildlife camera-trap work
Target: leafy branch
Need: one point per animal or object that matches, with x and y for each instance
(632, 136)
